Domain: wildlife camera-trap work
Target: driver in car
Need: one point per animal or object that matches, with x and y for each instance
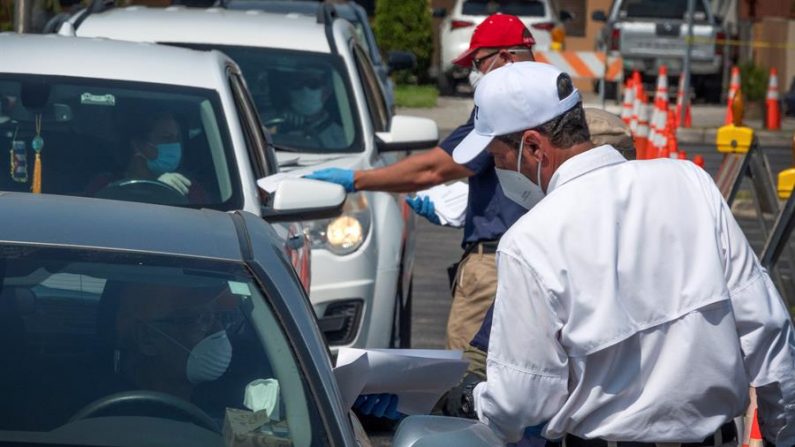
(171, 339)
(154, 152)
(305, 117)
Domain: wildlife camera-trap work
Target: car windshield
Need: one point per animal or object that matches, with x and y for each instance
(133, 141)
(524, 8)
(303, 98)
(660, 9)
(117, 349)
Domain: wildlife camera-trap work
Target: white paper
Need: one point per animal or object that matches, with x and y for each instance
(418, 377)
(271, 182)
(449, 202)
(263, 395)
(352, 371)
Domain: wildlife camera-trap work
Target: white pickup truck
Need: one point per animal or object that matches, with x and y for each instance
(651, 33)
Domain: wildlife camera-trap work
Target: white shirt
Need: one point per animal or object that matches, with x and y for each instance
(630, 307)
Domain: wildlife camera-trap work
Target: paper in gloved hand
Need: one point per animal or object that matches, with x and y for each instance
(449, 201)
(418, 377)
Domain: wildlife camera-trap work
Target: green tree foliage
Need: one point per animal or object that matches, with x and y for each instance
(406, 25)
(754, 81)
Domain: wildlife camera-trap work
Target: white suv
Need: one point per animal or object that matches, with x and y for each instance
(456, 29)
(89, 99)
(362, 261)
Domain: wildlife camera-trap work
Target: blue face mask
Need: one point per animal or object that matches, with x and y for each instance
(168, 157)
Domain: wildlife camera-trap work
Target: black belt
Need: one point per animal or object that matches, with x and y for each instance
(728, 433)
(489, 247)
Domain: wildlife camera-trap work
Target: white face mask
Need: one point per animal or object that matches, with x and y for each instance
(517, 187)
(209, 359)
(306, 101)
(476, 75)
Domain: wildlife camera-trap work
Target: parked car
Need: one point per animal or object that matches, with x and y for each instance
(90, 113)
(352, 12)
(139, 324)
(298, 66)
(652, 33)
(455, 31)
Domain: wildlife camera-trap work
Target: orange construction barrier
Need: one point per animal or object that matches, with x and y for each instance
(699, 161)
(773, 116)
(680, 99)
(734, 86)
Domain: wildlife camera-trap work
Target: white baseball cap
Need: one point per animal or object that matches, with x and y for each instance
(515, 97)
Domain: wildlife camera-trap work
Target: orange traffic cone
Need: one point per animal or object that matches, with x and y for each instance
(660, 103)
(629, 100)
(681, 155)
(672, 146)
(734, 86)
(699, 161)
(680, 99)
(773, 118)
(641, 138)
(755, 440)
(661, 137)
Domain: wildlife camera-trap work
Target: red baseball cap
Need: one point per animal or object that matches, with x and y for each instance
(497, 31)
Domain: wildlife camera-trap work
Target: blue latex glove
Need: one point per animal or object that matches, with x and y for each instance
(342, 177)
(379, 405)
(424, 207)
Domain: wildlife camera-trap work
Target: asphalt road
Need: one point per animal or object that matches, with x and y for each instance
(438, 247)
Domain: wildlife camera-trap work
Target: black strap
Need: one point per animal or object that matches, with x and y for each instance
(728, 433)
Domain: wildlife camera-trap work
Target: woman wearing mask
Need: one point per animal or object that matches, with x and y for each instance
(154, 152)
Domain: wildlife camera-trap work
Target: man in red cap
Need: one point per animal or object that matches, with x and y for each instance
(499, 40)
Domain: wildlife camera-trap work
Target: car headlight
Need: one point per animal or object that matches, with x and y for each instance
(343, 234)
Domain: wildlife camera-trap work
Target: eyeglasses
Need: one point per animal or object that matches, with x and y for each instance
(477, 61)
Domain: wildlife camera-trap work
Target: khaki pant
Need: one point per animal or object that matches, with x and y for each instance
(473, 292)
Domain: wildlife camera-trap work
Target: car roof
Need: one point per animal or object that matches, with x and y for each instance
(216, 26)
(109, 59)
(347, 11)
(110, 224)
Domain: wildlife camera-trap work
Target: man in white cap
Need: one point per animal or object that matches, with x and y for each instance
(630, 308)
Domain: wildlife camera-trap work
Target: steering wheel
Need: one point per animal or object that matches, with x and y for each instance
(146, 403)
(140, 190)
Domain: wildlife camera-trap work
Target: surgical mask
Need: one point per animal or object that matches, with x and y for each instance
(306, 101)
(168, 157)
(208, 360)
(476, 75)
(517, 187)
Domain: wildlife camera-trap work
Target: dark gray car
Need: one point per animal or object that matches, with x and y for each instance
(136, 324)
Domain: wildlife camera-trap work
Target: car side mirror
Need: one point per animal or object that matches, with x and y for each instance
(401, 60)
(408, 133)
(599, 16)
(566, 16)
(304, 199)
(439, 13)
(431, 431)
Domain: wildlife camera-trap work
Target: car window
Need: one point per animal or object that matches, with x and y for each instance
(372, 91)
(660, 9)
(120, 140)
(516, 7)
(192, 346)
(303, 98)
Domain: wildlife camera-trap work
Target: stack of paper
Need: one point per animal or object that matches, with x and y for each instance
(419, 377)
(449, 202)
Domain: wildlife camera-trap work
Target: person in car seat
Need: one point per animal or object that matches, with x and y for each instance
(154, 151)
(170, 339)
(306, 115)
